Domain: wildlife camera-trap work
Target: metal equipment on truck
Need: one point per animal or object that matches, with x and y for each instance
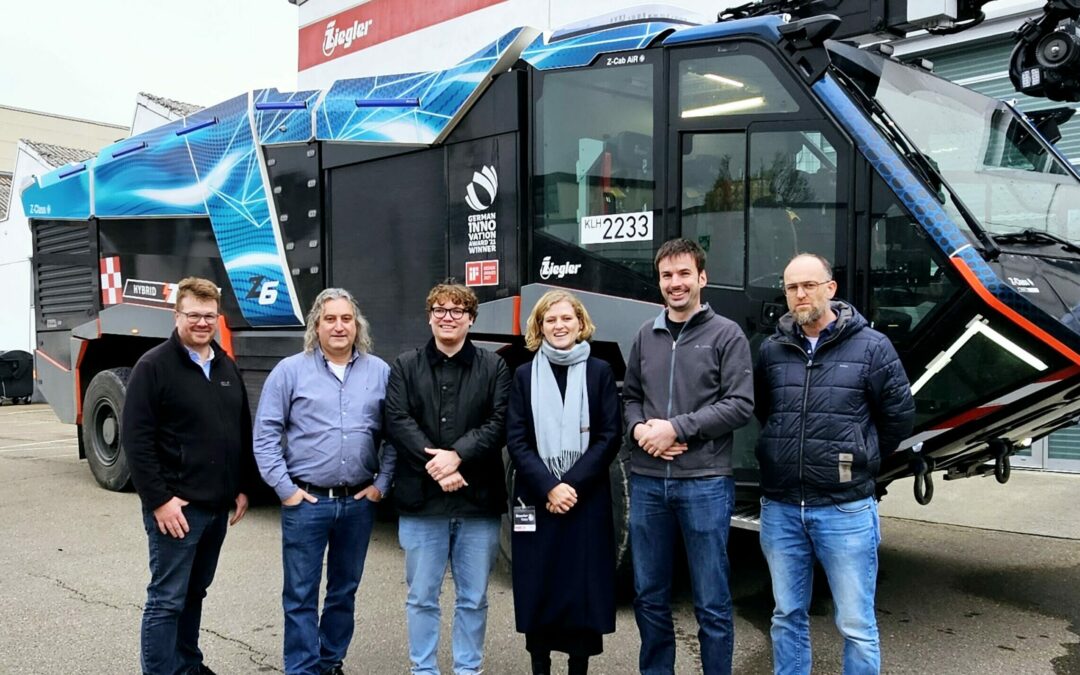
(566, 160)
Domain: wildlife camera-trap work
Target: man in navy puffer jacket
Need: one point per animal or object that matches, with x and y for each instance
(833, 399)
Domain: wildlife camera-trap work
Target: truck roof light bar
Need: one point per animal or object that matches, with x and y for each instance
(73, 169)
(281, 105)
(195, 127)
(129, 149)
(387, 103)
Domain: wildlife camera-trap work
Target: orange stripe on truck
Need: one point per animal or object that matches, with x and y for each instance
(1011, 314)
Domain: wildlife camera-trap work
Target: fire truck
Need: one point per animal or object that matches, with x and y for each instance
(565, 160)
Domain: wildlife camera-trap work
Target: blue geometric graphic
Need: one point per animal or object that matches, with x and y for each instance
(583, 49)
(228, 161)
(284, 117)
(62, 194)
(437, 98)
(149, 175)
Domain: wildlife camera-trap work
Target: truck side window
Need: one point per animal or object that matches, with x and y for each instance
(730, 84)
(713, 199)
(907, 280)
(793, 201)
(593, 177)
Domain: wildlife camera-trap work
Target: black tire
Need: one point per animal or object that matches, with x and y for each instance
(103, 408)
(620, 511)
(505, 554)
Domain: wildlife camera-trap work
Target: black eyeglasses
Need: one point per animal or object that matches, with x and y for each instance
(441, 312)
(196, 317)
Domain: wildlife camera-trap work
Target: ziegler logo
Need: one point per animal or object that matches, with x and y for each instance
(335, 36)
(548, 269)
(39, 210)
(488, 180)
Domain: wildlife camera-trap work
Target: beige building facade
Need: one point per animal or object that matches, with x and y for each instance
(71, 132)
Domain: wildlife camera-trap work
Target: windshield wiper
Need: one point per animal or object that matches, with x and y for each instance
(923, 165)
(1036, 238)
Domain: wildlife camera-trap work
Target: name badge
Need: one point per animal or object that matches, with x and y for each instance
(524, 519)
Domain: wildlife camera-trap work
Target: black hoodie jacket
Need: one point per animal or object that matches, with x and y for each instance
(184, 435)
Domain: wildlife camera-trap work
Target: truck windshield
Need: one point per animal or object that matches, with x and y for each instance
(1007, 176)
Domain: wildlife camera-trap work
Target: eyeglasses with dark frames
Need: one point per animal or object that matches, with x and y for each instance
(441, 312)
(196, 317)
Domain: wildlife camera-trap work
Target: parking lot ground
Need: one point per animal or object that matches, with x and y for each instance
(951, 599)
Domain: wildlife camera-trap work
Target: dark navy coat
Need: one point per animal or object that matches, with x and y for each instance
(828, 418)
(564, 573)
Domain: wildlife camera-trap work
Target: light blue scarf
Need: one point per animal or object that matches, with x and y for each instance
(561, 423)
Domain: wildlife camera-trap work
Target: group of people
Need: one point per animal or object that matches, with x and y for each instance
(337, 428)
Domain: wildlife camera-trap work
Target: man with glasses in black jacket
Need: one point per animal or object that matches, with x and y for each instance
(446, 414)
(186, 430)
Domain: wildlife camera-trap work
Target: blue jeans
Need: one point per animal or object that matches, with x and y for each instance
(844, 538)
(180, 572)
(470, 546)
(339, 528)
(700, 508)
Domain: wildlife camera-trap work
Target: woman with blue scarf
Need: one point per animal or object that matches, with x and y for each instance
(563, 431)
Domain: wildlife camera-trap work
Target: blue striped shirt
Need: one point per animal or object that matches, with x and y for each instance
(313, 428)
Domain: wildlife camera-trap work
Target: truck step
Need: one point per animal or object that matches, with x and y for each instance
(747, 517)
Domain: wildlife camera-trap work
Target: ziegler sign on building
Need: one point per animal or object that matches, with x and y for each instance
(373, 22)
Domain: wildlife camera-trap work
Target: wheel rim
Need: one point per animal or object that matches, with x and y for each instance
(106, 433)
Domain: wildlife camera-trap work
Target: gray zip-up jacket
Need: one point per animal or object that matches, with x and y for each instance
(702, 383)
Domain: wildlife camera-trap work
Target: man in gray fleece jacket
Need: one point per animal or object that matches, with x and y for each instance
(688, 386)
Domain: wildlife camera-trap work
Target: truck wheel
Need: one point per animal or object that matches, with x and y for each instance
(620, 511)
(505, 554)
(102, 410)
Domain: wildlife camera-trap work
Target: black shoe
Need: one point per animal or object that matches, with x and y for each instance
(541, 663)
(336, 670)
(578, 665)
(200, 669)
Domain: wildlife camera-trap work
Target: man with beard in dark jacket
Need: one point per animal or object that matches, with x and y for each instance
(834, 399)
(446, 415)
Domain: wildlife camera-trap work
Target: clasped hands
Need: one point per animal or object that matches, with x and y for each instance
(443, 469)
(561, 498)
(658, 438)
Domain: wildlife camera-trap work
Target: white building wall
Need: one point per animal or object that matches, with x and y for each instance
(16, 123)
(16, 247)
(443, 45)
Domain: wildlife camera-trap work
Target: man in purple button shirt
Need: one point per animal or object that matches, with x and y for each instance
(318, 433)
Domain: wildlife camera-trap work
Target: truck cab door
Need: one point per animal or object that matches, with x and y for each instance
(758, 174)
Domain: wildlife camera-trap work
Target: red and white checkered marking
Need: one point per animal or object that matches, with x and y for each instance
(112, 286)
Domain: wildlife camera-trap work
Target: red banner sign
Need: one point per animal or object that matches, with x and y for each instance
(374, 22)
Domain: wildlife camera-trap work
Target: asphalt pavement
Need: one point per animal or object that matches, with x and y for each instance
(984, 580)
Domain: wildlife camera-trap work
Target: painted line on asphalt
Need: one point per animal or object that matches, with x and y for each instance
(67, 442)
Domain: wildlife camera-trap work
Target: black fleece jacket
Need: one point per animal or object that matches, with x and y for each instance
(184, 435)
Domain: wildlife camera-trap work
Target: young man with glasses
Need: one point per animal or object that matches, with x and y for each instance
(186, 430)
(688, 387)
(833, 399)
(318, 434)
(446, 414)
